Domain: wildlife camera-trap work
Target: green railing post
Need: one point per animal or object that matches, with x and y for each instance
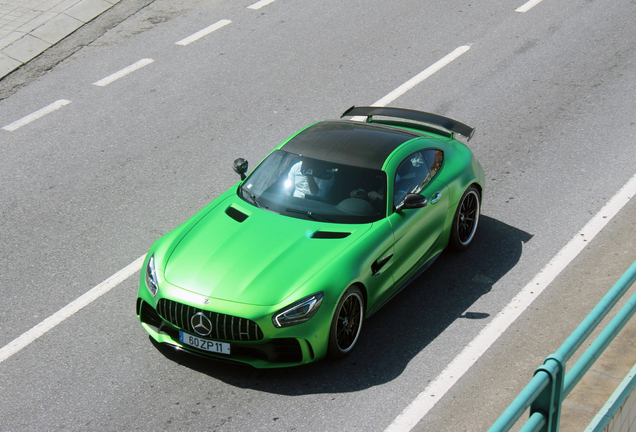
(550, 385)
(522, 402)
(548, 403)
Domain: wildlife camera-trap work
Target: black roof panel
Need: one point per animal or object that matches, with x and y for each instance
(349, 142)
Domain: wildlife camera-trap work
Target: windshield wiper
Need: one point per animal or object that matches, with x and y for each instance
(254, 199)
(312, 215)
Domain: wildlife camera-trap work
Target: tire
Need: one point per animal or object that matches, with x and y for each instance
(346, 324)
(466, 220)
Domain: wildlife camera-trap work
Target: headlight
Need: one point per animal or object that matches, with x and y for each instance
(298, 312)
(151, 276)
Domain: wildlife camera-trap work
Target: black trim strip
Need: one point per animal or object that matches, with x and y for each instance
(330, 235)
(408, 114)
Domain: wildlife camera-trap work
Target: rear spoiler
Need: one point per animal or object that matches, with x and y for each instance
(408, 114)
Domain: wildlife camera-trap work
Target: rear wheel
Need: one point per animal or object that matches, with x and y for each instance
(346, 323)
(466, 220)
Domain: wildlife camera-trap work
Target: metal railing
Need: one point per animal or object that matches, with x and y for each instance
(618, 409)
(550, 385)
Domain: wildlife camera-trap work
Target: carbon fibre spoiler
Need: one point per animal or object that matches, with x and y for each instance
(408, 114)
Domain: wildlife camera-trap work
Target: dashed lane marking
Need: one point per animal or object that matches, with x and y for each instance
(122, 73)
(444, 61)
(260, 4)
(206, 31)
(529, 5)
(36, 115)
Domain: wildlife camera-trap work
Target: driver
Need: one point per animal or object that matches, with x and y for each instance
(373, 191)
(310, 177)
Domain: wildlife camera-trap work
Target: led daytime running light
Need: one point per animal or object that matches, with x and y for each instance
(151, 276)
(298, 312)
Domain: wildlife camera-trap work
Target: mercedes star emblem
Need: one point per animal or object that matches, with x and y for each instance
(201, 324)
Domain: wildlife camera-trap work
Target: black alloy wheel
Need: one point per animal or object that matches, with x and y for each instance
(347, 323)
(466, 220)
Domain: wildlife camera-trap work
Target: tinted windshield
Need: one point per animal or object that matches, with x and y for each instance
(303, 187)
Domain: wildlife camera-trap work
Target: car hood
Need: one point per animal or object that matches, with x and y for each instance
(244, 254)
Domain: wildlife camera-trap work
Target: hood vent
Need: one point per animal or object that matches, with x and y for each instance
(235, 214)
(330, 235)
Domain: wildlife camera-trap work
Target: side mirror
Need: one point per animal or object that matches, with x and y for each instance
(240, 167)
(412, 201)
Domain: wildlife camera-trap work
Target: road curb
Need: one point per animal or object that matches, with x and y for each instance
(46, 29)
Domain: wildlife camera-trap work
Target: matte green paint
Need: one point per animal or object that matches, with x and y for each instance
(255, 268)
(219, 257)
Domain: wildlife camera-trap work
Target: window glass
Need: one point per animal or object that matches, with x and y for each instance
(309, 188)
(415, 172)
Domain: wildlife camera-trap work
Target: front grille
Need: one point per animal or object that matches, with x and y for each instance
(224, 327)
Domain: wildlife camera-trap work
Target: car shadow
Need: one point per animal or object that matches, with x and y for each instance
(393, 336)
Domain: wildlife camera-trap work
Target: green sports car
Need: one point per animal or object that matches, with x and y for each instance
(283, 268)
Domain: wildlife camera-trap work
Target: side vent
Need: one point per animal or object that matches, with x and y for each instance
(330, 235)
(235, 214)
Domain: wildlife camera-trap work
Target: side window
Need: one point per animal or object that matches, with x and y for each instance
(415, 172)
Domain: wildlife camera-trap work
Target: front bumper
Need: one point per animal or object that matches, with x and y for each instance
(249, 329)
(274, 352)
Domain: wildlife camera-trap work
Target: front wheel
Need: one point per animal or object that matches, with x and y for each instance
(346, 323)
(466, 220)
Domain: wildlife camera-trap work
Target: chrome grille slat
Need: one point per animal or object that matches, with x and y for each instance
(176, 313)
(247, 329)
(180, 315)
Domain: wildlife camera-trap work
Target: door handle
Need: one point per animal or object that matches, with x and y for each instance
(376, 267)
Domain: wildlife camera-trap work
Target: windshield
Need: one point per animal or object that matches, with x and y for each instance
(303, 187)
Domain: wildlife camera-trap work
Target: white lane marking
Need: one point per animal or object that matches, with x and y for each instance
(260, 4)
(206, 31)
(122, 73)
(70, 309)
(444, 61)
(526, 7)
(36, 115)
(426, 400)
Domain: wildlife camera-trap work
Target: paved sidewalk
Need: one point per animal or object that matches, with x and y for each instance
(28, 27)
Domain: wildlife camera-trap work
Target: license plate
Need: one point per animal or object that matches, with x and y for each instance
(204, 344)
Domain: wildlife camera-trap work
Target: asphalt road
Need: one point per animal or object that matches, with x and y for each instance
(87, 188)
